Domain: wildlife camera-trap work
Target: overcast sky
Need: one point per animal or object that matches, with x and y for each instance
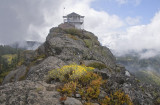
(121, 25)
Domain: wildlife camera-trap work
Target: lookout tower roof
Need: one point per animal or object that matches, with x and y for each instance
(73, 14)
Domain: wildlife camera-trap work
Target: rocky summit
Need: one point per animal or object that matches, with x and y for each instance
(28, 84)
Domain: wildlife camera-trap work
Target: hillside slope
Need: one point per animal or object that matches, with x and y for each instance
(9, 59)
(146, 70)
(148, 77)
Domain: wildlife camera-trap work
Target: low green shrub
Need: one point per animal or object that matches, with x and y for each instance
(97, 65)
(74, 31)
(2, 75)
(157, 101)
(39, 57)
(88, 43)
(22, 77)
(72, 37)
(68, 88)
(39, 89)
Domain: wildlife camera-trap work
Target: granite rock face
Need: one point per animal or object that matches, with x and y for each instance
(66, 45)
(76, 45)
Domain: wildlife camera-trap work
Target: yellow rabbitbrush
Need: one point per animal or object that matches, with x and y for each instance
(69, 72)
(82, 80)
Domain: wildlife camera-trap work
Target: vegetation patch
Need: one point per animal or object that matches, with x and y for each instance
(68, 88)
(39, 89)
(20, 62)
(90, 86)
(23, 77)
(2, 75)
(97, 65)
(157, 101)
(79, 79)
(69, 72)
(74, 31)
(9, 57)
(88, 43)
(149, 76)
(72, 37)
(39, 57)
(117, 98)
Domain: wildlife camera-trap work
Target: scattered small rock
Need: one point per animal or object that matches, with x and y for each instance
(72, 101)
(95, 104)
(127, 73)
(50, 88)
(102, 94)
(78, 95)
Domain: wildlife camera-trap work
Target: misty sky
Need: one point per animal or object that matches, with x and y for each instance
(121, 25)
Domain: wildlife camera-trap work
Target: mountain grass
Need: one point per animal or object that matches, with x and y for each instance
(149, 77)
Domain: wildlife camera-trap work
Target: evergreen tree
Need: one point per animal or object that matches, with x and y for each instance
(0, 64)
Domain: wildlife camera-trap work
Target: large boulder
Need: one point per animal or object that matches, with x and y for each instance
(72, 101)
(75, 45)
(28, 93)
(39, 72)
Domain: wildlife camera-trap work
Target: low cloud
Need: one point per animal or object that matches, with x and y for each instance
(31, 20)
(133, 2)
(148, 54)
(133, 21)
(25, 20)
(138, 38)
(122, 1)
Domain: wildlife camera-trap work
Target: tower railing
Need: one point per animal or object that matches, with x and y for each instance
(71, 20)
